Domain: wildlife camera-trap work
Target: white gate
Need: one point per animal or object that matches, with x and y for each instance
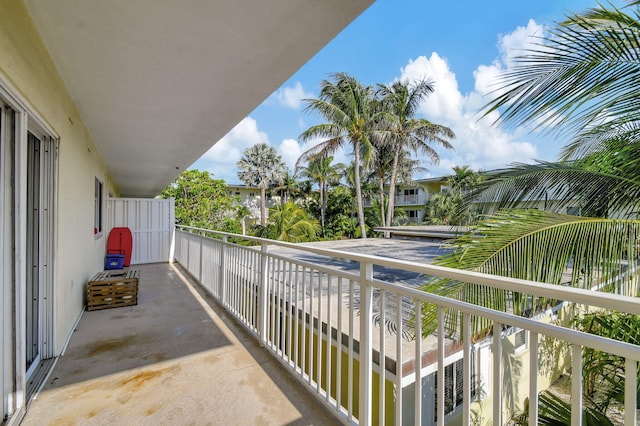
(152, 223)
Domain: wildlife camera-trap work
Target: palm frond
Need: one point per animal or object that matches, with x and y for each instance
(540, 246)
(585, 73)
(598, 184)
(602, 137)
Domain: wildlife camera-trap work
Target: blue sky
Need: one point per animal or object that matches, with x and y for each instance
(461, 45)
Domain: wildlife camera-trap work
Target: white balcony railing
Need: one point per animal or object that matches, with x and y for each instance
(400, 200)
(406, 199)
(348, 335)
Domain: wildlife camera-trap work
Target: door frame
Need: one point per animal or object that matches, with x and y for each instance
(13, 189)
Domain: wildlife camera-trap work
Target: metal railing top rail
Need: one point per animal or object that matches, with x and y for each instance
(623, 349)
(609, 301)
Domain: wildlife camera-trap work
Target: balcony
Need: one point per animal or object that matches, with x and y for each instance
(191, 352)
(408, 200)
(400, 200)
(175, 358)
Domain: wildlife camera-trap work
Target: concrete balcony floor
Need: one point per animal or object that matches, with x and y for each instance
(175, 358)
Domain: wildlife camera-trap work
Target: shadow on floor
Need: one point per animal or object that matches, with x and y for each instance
(167, 323)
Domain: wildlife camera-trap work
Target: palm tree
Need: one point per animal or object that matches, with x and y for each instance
(447, 207)
(262, 167)
(463, 178)
(288, 222)
(405, 133)
(350, 113)
(583, 82)
(380, 175)
(442, 209)
(320, 171)
(288, 188)
(242, 212)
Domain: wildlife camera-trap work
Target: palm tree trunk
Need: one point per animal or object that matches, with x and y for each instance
(381, 188)
(356, 173)
(323, 204)
(392, 188)
(263, 207)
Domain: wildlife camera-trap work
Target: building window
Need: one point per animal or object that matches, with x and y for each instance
(453, 386)
(252, 194)
(97, 218)
(520, 342)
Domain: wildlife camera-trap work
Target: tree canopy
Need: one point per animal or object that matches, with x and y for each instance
(201, 200)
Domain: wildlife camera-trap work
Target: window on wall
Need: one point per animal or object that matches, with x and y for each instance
(454, 386)
(97, 221)
(520, 342)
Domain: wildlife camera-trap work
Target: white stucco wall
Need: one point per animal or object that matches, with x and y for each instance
(28, 71)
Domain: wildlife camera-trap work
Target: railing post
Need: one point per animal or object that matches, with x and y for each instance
(576, 384)
(630, 392)
(497, 376)
(533, 379)
(172, 243)
(222, 273)
(366, 364)
(264, 282)
(202, 234)
(440, 374)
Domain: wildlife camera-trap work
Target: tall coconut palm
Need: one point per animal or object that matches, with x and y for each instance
(349, 109)
(261, 166)
(320, 170)
(404, 132)
(380, 175)
(583, 82)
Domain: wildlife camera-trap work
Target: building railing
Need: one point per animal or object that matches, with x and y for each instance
(406, 199)
(355, 340)
(401, 200)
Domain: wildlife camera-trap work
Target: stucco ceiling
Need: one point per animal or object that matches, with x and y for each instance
(158, 82)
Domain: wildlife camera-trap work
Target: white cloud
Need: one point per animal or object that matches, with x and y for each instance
(222, 157)
(290, 151)
(292, 96)
(478, 142)
(516, 43)
(446, 99)
(510, 46)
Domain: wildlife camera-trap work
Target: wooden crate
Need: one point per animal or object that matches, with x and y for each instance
(112, 289)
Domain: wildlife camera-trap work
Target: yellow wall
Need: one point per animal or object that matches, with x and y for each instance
(554, 359)
(26, 65)
(432, 187)
(311, 365)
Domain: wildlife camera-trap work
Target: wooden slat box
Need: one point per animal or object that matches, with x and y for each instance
(112, 289)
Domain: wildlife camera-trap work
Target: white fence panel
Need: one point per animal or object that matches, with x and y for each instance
(152, 223)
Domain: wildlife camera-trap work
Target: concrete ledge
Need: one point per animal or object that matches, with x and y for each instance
(425, 231)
